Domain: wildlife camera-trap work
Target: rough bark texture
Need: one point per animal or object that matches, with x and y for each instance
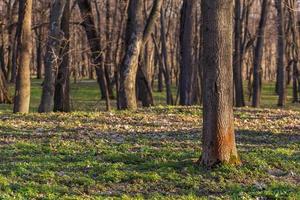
(22, 92)
(258, 54)
(94, 42)
(62, 83)
(218, 129)
(186, 51)
(281, 54)
(52, 56)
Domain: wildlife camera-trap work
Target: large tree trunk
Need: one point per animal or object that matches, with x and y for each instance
(136, 37)
(186, 47)
(62, 83)
(218, 129)
(22, 92)
(52, 58)
(257, 68)
(281, 54)
(237, 58)
(94, 42)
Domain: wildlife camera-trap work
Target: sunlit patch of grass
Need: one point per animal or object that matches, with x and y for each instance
(85, 96)
(150, 153)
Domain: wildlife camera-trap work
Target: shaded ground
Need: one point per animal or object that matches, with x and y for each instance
(146, 154)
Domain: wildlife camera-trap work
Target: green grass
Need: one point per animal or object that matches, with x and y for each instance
(147, 154)
(85, 96)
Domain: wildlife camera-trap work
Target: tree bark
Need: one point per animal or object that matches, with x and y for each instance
(186, 51)
(52, 59)
(22, 91)
(94, 42)
(218, 129)
(258, 54)
(62, 83)
(166, 70)
(281, 54)
(136, 37)
(237, 58)
(4, 94)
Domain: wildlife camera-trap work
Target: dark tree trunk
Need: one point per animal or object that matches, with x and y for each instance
(237, 58)
(39, 52)
(108, 52)
(218, 129)
(62, 83)
(186, 51)
(143, 79)
(258, 54)
(94, 42)
(22, 91)
(281, 54)
(52, 56)
(166, 70)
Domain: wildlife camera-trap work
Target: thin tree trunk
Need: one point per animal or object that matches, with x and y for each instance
(22, 91)
(258, 54)
(237, 58)
(165, 59)
(39, 65)
(281, 54)
(186, 51)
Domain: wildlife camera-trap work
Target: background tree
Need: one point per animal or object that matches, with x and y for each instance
(237, 57)
(22, 91)
(94, 43)
(62, 82)
(52, 56)
(137, 34)
(186, 51)
(258, 54)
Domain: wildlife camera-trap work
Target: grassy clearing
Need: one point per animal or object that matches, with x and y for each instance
(85, 96)
(150, 153)
(145, 154)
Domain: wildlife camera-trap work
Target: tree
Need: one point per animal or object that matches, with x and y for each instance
(237, 57)
(186, 51)
(62, 82)
(218, 138)
(136, 37)
(22, 91)
(52, 56)
(165, 65)
(94, 43)
(281, 54)
(258, 54)
(4, 95)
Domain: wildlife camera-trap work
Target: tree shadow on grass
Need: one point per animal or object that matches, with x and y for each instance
(148, 163)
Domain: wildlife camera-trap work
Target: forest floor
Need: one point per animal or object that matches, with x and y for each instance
(150, 153)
